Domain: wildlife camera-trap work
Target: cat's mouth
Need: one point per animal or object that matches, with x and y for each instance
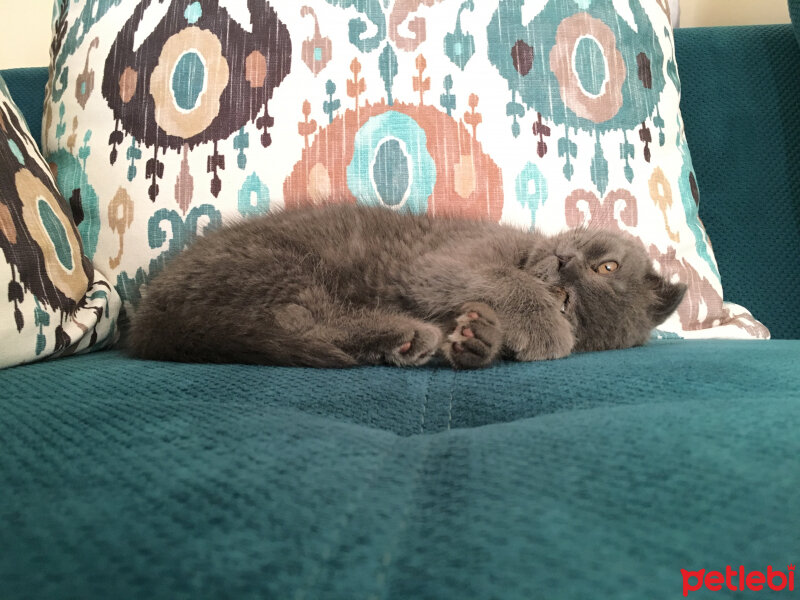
(563, 295)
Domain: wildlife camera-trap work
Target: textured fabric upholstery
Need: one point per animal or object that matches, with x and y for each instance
(27, 88)
(794, 13)
(432, 400)
(598, 476)
(741, 87)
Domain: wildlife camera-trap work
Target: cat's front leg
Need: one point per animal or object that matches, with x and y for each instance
(537, 329)
(525, 311)
(523, 330)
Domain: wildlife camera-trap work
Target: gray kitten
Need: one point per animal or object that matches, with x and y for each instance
(345, 285)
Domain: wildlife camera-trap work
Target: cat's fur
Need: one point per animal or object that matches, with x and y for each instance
(345, 285)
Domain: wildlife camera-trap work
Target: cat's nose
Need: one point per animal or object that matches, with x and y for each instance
(564, 260)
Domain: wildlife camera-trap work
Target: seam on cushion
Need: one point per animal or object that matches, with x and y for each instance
(425, 403)
(390, 549)
(323, 568)
(450, 407)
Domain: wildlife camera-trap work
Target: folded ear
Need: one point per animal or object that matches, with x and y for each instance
(667, 297)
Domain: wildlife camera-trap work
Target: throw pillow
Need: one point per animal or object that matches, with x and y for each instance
(54, 301)
(168, 118)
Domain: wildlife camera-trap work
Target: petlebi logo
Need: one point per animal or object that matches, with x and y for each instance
(738, 580)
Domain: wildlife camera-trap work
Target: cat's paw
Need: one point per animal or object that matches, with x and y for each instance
(549, 338)
(419, 347)
(476, 337)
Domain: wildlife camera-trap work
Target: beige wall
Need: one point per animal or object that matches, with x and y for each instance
(25, 33)
(705, 13)
(25, 24)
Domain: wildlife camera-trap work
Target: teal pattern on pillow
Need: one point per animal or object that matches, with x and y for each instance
(54, 301)
(168, 119)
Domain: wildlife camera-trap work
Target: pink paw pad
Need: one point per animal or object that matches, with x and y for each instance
(476, 339)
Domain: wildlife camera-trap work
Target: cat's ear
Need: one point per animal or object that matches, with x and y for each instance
(667, 297)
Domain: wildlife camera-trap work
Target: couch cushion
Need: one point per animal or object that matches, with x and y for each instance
(794, 13)
(429, 399)
(597, 476)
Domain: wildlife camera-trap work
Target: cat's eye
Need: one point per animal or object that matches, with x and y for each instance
(607, 267)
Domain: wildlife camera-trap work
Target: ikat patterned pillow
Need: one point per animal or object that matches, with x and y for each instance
(54, 302)
(165, 119)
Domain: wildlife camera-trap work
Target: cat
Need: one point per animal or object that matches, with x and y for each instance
(347, 285)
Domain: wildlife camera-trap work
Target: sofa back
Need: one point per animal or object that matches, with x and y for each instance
(741, 107)
(741, 88)
(27, 90)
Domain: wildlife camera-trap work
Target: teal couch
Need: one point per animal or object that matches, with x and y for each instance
(597, 476)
